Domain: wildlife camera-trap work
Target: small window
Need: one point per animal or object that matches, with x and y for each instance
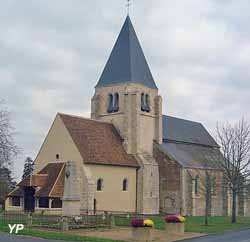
(147, 103)
(43, 202)
(99, 184)
(143, 107)
(116, 103)
(213, 185)
(196, 185)
(16, 202)
(56, 203)
(57, 156)
(110, 104)
(125, 184)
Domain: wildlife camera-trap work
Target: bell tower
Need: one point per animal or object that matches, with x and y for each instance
(127, 96)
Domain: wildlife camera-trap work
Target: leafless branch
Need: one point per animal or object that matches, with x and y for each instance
(8, 148)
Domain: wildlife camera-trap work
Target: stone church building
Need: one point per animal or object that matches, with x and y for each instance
(129, 157)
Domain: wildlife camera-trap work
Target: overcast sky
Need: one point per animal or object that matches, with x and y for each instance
(53, 52)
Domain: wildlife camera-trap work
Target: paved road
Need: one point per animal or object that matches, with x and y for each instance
(4, 237)
(240, 236)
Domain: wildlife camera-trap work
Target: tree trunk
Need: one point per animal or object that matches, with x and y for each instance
(234, 207)
(207, 198)
(206, 209)
(206, 220)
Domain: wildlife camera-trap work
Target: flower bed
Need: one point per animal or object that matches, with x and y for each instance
(175, 219)
(141, 222)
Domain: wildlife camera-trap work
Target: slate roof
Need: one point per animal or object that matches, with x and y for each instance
(189, 143)
(98, 142)
(192, 156)
(52, 188)
(176, 129)
(127, 63)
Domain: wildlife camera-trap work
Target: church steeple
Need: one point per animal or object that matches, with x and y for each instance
(127, 63)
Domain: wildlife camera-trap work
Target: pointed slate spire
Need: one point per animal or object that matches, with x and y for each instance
(127, 63)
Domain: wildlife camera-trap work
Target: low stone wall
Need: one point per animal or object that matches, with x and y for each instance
(175, 228)
(141, 234)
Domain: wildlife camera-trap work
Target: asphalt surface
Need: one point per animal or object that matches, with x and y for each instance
(4, 237)
(240, 236)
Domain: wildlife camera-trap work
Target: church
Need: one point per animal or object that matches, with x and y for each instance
(128, 157)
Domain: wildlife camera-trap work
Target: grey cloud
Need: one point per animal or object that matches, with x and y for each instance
(53, 52)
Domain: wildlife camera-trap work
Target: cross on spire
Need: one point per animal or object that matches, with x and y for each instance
(128, 5)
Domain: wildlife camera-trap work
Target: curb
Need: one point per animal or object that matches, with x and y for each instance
(214, 234)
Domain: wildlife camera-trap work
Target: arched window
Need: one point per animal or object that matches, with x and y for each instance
(143, 107)
(116, 103)
(110, 104)
(147, 103)
(99, 184)
(213, 185)
(125, 184)
(196, 185)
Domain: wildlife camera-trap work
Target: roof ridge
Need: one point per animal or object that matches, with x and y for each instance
(188, 120)
(188, 143)
(129, 48)
(57, 178)
(80, 117)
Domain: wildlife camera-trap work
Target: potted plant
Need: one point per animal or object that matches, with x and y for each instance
(141, 229)
(175, 224)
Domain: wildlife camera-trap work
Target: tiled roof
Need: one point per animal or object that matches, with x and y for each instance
(98, 142)
(53, 187)
(127, 63)
(17, 192)
(53, 170)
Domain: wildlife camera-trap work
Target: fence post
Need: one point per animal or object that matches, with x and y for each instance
(29, 220)
(112, 221)
(64, 224)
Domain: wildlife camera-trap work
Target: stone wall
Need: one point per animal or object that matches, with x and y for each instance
(139, 130)
(169, 182)
(198, 200)
(130, 121)
(71, 196)
(177, 188)
(147, 185)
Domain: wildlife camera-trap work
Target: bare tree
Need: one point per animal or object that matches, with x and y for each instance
(234, 141)
(204, 185)
(8, 148)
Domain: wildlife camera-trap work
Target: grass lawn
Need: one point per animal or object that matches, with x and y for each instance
(53, 235)
(196, 224)
(215, 224)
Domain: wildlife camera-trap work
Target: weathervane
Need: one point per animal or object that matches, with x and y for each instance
(128, 5)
